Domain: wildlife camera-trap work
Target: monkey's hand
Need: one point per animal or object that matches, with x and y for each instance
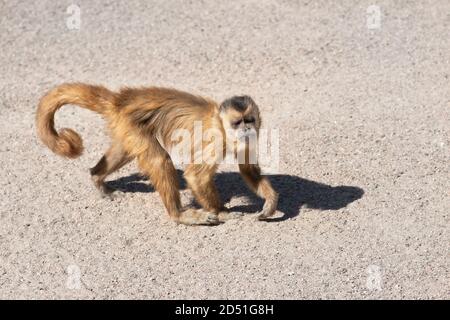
(197, 217)
(269, 208)
(225, 214)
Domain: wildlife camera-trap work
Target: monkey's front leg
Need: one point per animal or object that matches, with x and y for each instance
(262, 187)
(157, 164)
(200, 179)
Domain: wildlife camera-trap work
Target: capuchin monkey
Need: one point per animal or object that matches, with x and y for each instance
(141, 124)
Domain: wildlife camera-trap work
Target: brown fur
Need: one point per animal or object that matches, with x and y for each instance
(141, 122)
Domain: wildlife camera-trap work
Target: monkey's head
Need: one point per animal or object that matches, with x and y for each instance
(240, 117)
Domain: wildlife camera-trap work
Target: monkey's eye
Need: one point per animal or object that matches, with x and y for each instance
(236, 123)
(249, 120)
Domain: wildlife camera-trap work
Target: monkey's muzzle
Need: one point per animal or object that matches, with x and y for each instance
(245, 134)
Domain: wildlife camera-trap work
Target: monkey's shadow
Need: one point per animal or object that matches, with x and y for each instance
(294, 192)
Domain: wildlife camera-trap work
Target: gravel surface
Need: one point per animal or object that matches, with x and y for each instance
(363, 116)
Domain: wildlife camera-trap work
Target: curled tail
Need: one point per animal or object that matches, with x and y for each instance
(67, 142)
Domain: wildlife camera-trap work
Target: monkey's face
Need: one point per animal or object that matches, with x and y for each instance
(240, 118)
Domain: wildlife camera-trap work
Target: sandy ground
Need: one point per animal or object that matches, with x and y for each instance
(363, 116)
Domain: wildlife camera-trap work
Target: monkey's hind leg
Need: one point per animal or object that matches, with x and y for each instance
(114, 159)
(157, 164)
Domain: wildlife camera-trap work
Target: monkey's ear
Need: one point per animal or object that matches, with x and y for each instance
(221, 107)
(225, 105)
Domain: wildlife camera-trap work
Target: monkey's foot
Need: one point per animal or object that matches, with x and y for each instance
(268, 210)
(263, 217)
(198, 217)
(226, 215)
